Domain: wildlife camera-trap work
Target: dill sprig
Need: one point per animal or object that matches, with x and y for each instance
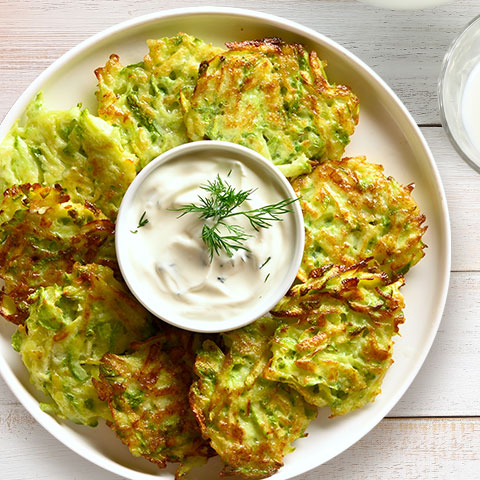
(265, 262)
(142, 222)
(220, 204)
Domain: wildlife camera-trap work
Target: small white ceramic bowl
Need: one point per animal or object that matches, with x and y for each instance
(459, 62)
(138, 261)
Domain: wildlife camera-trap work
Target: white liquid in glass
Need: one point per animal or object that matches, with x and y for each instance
(471, 106)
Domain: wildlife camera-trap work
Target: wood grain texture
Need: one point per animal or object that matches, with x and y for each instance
(35, 33)
(410, 449)
(448, 383)
(406, 48)
(434, 449)
(462, 188)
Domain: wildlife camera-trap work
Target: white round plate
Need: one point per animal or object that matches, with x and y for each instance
(387, 134)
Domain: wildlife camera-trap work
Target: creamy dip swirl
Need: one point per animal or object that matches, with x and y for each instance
(172, 264)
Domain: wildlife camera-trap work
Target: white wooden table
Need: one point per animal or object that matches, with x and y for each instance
(434, 431)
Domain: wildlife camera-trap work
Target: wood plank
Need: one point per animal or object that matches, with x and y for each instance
(33, 34)
(26, 448)
(396, 448)
(448, 384)
(410, 449)
(462, 187)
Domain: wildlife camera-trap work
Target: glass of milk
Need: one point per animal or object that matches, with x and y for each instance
(459, 93)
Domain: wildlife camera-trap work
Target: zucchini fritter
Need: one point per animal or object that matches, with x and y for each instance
(144, 99)
(353, 211)
(147, 392)
(70, 327)
(274, 98)
(79, 151)
(42, 234)
(249, 420)
(335, 345)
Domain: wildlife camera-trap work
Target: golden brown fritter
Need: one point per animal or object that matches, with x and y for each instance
(71, 325)
(353, 211)
(250, 421)
(335, 339)
(42, 234)
(147, 392)
(143, 99)
(79, 151)
(272, 97)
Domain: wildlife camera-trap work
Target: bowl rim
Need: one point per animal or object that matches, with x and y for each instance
(441, 101)
(31, 404)
(270, 172)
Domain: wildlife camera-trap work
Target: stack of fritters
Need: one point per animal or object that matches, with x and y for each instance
(174, 396)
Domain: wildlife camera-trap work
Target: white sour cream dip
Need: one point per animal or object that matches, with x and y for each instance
(169, 266)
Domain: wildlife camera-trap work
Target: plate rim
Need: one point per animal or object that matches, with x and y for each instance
(20, 104)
